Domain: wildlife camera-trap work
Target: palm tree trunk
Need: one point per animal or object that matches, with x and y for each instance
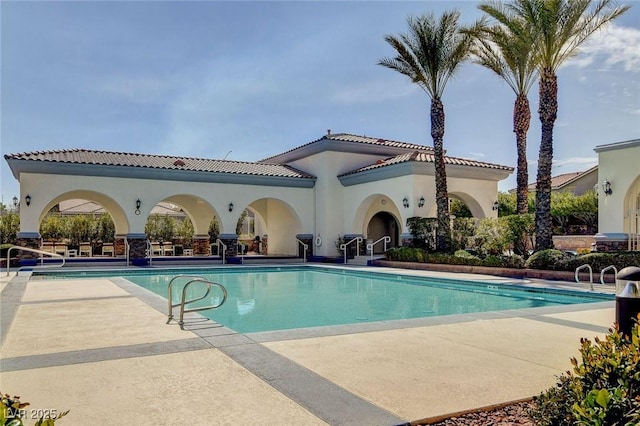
(521, 122)
(548, 112)
(442, 197)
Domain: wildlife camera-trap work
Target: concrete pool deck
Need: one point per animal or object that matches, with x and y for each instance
(101, 348)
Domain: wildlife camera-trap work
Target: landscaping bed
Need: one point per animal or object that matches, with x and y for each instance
(489, 270)
(510, 414)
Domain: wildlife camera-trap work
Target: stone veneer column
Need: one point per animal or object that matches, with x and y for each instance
(308, 240)
(201, 246)
(137, 249)
(231, 241)
(29, 240)
(119, 246)
(264, 249)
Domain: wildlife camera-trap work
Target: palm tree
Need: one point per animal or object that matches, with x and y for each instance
(430, 54)
(560, 27)
(507, 50)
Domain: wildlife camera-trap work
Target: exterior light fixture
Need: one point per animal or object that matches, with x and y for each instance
(495, 205)
(405, 202)
(27, 199)
(606, 187)
(15, 201)
(138, 204)
(230, 207)
(421, 202)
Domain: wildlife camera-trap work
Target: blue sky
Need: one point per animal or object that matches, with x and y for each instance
(258, 78)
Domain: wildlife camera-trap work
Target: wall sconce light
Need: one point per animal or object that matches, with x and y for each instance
(138, 204)
(606, 187)
(495, 205)
(421, 202)
(15, 201)
(405, 202)
(27, 199)
(230, 207)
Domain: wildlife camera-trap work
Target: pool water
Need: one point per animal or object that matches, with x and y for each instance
(267, 299)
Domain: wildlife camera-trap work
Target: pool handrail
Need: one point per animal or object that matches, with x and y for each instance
(33, 251)
(386, 239)
(224, 249)
(183, 301)
(585, 266)
(305, 248)
(615, 273)
(343, 247)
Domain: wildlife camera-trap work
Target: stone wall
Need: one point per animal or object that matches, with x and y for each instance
(573, 242)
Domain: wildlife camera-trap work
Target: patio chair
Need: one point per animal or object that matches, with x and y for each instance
(60, 249)
(48, 247)
(107, 250)
(156, 249)
(168, 248)
(85, 250)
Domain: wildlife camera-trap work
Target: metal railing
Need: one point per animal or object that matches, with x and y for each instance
(149, 252)
(192, 279)
(305, 247)
(33, 251)
(585, 266)
(386, 239)
(615, 273)
(224, 249)
(343, 247)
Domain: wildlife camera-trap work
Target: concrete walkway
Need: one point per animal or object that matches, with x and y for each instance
(100, 348)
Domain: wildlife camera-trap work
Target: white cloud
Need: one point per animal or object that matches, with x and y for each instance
(614, 45)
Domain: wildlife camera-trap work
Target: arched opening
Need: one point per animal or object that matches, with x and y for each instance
(81, 223)
(276, 223)
(382, 224)
(632, 214)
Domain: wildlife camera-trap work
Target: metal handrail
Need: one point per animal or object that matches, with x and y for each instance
(149, 252)
(183, 301)
(305, 247)
(343, 247)
(587, 266)
(386, 239)
(224, 249)
(127, 248)
(615, 273)
(32, 251)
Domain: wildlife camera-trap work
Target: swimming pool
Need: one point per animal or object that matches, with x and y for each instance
(281, 298)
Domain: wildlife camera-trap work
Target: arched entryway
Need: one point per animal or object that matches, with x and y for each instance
(382, 224)
(632, 214)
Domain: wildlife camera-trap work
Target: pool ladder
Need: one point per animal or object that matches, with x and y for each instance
(587, 266)
(183, 301)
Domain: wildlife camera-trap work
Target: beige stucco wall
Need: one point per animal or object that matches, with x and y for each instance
(621, 166)
(201, 201)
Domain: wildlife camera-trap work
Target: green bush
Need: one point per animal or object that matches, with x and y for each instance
(546, 259)
(599, 261)
(603, 389)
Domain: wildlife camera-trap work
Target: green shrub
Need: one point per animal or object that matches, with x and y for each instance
(12, 411)
(599, 261)
(512, 261)
(603, 389)
(492, 260)
(465, 255)
(546, 259)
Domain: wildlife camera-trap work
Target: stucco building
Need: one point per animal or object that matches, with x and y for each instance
(337, 185)
(619, 196)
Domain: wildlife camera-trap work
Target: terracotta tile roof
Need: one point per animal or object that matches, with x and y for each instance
(423, 157)
(106, 158)
(559, 181)
(365, 140)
